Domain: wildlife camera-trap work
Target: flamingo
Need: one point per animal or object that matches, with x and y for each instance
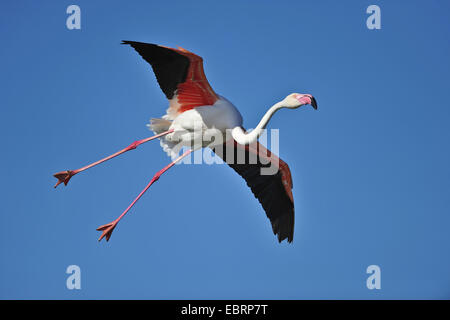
(194, 104)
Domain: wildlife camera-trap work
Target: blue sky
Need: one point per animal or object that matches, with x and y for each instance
(370, 167)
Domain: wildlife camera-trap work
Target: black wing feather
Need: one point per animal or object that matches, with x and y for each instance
(268, 189)
(170, 67)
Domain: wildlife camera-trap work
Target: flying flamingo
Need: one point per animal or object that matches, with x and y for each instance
(193, 104)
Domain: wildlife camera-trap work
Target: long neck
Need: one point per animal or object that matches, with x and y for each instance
(241, 137)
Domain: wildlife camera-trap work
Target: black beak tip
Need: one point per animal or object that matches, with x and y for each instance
(314, 103)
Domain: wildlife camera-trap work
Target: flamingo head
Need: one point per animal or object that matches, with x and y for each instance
(295, 100)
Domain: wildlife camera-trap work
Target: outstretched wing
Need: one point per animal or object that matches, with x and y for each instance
(180, 75)
(274, 191)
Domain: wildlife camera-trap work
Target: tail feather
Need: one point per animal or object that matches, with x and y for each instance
(158, 125)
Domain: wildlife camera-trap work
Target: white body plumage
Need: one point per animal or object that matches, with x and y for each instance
(201, 127)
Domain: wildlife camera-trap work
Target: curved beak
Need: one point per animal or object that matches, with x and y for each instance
(314, 103)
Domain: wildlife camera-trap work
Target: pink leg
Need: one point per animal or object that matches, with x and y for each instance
(109, 227)
(64, 176)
